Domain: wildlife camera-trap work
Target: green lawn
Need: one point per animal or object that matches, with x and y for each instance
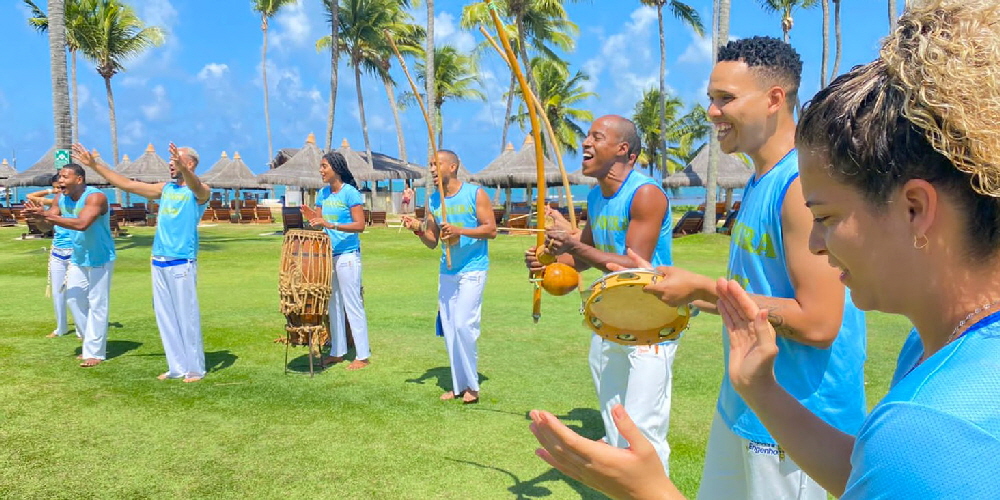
(251, 431)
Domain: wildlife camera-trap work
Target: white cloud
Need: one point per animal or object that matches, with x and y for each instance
(623, 51)
(212, 72)
(132, 133)
(159, 13)
(447, 32)
(698, 52)
(291, 27)
(158, 106)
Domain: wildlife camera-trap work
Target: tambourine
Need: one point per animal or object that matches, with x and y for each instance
(620, 311)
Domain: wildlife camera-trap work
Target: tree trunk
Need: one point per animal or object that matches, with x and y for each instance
(826, 43)
(263, 72)
(431, 95)
(400, 140)
(662, 104)
(892, 15)
(439, 119)
(836, 35)
(61, 120)
(114, 121)
(76, 104)
(361, 110)
(335, 58)
(720, 37)
(506, 116)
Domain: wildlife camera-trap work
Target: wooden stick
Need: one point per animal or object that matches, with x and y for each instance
(430, 137)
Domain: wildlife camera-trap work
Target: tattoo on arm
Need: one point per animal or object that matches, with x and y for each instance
(778, 322)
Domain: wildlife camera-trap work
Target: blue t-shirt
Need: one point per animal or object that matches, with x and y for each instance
(470, 254)
(61, 237)
(936, 434)
(177, 223)
(829, 382)
(336, 207)
(95, 246)
(609, 219)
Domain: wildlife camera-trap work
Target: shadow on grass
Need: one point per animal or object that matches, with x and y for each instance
(443, 376)
(115, 348)
(591, 424)
(219, 360)
(534, 488)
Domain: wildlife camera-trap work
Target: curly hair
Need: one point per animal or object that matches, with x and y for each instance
(926, 109)
(775, 61)
(339, 164)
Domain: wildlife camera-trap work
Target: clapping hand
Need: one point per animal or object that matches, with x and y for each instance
(752, 347)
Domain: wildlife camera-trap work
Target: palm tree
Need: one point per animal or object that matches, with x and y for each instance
(682, 132)
(429, 65)
(332, 10)
(74, 16)
(57, 67)
(267, 10)
(113, 35)
(558, 92)
(720, 36)
(688, 16)
(826, 43)
(836, 34)
(892, 14)
(785, 8)
(455, 78)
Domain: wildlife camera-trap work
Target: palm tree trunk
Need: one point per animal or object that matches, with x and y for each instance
(335, 58)
(431, 93)
(892, 15)
(76, 103)
(506, 116)
(836, 35)
(826, 43)
(399, 124)
(661, 105)
(361, 110)
(721, 35)
(114, 122)
(439, 118)
(263, 72)
(61, 120)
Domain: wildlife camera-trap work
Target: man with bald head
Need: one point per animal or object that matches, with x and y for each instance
(175, 250)
(627, 210)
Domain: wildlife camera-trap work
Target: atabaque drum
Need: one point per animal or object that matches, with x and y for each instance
(304, 283)
(620, 311)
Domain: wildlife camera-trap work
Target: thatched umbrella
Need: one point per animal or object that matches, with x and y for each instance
(41, 172)
(301, 170)
(6, 172)
(147, 168)
(282, 156)
(231, 174)
(733, 173)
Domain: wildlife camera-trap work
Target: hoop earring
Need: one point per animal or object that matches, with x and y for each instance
(922, 245)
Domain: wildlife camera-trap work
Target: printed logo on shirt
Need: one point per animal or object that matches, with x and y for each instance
(766, 449)
(743, 237)
(610, 223)
(456, 210)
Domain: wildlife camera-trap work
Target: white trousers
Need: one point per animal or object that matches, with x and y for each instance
(87, 290)
(58, 265)
(638, 378)
(460, 301)
(346, 298)
(736, 468)
(175, 303)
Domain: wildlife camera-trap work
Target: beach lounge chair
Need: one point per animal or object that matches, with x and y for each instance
(291, 218)
(7, 218)
(264, 215)
(690, 223)
(247, 215)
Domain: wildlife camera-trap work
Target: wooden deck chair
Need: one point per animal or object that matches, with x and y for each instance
(690, 223)
(727, 226)
(378, 217)
(498, 214)
(368, 217)
(18, 211)
(215, 204)
(34, 231)
(116, 225)
(419, 213)
(264, 215)
(251, 203)
(208, 215)
(7, 218)
(224, 215)
(291, 218)
(247, 215)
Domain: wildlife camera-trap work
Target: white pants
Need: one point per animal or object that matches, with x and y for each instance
(175, 303)
(87, 291)
(58, 265)
(736, 468)
(638, 378)
(460, 301)
(346, 298)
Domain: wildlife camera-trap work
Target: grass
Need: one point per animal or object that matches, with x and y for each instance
(251, 431)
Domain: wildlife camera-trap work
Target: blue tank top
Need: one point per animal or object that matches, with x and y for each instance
(95, 246)
(177, 223)
(470, 254)
(829, 382)
(62, 237)
(336, 207)
(609, 219)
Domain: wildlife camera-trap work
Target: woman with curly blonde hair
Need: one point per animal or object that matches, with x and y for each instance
(900, 166)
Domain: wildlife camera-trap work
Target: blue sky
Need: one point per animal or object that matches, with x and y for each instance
(203, 86)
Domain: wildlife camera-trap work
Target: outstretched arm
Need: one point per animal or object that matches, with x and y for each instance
(89, 159)
(95, 206)
(186, 167)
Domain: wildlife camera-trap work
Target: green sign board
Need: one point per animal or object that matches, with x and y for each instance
(62, 158)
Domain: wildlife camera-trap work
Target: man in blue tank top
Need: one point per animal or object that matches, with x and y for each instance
(62, 249)
(175, 252)
(626, 210)
(460, 290)
(85, 211)
(753, 94)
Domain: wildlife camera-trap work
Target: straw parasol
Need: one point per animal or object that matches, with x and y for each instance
(301, 170)
(147, 168)
(231, 174)
(733, 172)
(517, 169)
(6, 172)
(40, 174)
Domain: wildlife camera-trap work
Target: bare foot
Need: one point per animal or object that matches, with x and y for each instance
(448, 396)
(52, 335)
(188, 380)
(79, 356)
(470, 397)
(331, 360)
(358, 364)
(89, 362)
(164, 376)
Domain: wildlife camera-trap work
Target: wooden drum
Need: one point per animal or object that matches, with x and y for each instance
(304, 283)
